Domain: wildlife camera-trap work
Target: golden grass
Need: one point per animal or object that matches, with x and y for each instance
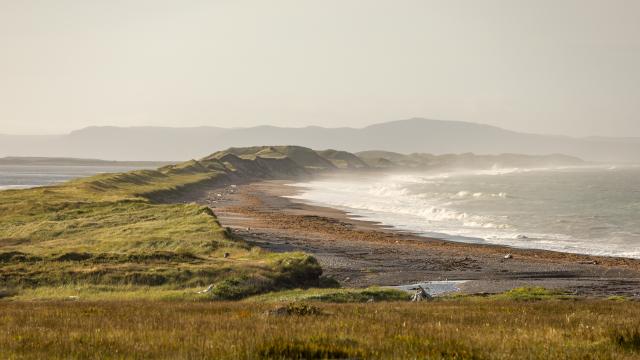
(240, 330)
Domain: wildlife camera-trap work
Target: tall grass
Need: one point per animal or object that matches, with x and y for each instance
(435, 330)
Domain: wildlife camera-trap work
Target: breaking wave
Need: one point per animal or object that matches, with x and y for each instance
(530, 208)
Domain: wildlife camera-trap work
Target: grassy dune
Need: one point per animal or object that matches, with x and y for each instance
(105, 233)
(239, 330)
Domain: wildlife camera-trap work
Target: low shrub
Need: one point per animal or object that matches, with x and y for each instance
(238, 287)
(297, 309)
(298, 269)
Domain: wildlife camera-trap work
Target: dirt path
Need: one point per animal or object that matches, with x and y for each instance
(359, 253)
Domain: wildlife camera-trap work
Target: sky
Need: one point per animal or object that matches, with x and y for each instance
(566, 67)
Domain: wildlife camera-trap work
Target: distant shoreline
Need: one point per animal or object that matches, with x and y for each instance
(61, 161)
(24, 173)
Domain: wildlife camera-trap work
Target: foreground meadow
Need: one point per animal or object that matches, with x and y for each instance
(452, 329)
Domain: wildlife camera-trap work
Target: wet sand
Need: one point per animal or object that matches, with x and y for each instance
(361, 253)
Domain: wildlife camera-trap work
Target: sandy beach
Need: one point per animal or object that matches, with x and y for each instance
(360, 253)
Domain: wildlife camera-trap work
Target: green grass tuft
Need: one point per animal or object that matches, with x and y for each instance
(532, 294)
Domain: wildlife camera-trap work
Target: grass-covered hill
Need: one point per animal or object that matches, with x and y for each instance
(386, 159)
(301, 156)
(114, 232)
(343, 159)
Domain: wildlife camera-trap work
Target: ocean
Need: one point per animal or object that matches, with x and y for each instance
(26, 176)
(588, 210)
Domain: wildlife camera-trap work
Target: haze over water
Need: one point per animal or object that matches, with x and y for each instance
(26, 176)
(590, 210)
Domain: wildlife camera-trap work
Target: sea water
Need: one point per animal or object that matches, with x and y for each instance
(589, 210)
(26, 176)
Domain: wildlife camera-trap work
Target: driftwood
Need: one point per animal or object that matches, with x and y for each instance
(208, 289)
(421, 294)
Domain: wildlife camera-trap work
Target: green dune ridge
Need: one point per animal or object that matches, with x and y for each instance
(115, 232)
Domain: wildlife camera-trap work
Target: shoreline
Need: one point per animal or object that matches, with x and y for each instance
(488, 226)
(360, 253)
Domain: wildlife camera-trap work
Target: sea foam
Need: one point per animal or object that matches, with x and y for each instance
(529, 208)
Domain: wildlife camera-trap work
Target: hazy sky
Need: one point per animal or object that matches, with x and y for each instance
(546, 66)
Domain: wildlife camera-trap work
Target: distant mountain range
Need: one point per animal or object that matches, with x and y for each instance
(403, 136)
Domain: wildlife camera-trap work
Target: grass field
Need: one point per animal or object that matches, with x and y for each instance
(493, 329)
